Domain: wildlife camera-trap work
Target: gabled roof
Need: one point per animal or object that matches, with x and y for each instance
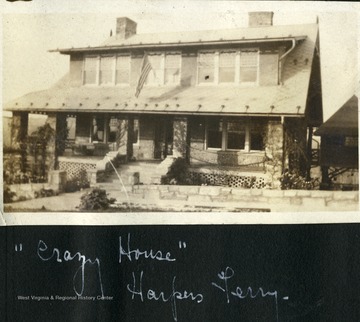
(343, 122)
(290, 98)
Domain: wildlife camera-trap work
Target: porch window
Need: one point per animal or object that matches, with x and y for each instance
(257, 132)
(136, 131)
(235, 134)
(90, 70)
(113, 129)
(97, 132)
(71, 127)
(214, 134)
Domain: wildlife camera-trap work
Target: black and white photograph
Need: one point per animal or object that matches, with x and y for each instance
(180, 161)
(239, 110)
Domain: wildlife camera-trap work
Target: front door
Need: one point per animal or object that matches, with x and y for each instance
(163, 137)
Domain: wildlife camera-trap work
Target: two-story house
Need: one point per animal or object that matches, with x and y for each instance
(242, 100)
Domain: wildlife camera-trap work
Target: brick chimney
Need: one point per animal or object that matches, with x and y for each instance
(125, 28)
(260, 18)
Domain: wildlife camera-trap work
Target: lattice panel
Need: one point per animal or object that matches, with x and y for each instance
(228, 180)
(75, 170)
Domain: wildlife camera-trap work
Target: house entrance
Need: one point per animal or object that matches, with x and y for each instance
(163, 138)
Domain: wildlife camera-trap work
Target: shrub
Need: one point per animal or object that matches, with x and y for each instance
(294, 180)
(178, 173)
(96, 199)
(8, 195)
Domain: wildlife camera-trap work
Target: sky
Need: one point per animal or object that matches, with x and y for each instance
(31, 29)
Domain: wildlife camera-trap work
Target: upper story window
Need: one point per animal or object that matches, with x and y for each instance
(90, 70)
(228, 67)
(206, 68)
(106, 70)
(122, 71)
(165, 69)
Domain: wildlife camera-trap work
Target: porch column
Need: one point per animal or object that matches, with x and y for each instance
(130, 137)
(122, 136)
(274, 150)
(61, 135)
(309, 153)
(19, 128)
(180, 137)
(51, 148)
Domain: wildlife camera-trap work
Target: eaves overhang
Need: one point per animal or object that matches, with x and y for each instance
(178, 44)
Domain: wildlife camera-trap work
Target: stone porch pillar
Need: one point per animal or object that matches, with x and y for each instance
(61, 135)
(51, 148)
(130, 137)
(19, 129)
(274, 149)
(180, 137)
(123, 136)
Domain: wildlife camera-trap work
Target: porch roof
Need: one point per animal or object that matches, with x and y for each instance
(343, 122)
(275, 100)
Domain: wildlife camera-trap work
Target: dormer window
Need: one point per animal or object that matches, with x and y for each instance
(165, 69)
(228, 67)
(106, 70)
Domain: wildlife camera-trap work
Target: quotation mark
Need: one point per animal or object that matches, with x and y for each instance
(182, 244)
(18, 248)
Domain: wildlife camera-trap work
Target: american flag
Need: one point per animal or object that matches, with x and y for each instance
(145, 69)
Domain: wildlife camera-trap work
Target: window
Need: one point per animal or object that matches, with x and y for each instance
(97, 130)
(122, 75)
(235, 134)
(228, 67)
(206, 68)
(71, 127)
(351, 141)
(248, 67)
(106, 70)
(90, 70)
(172, 68)
(113, 129)
(155, 76)
(257, 132)
(136, 133)
(214, 134)
(165, 69)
